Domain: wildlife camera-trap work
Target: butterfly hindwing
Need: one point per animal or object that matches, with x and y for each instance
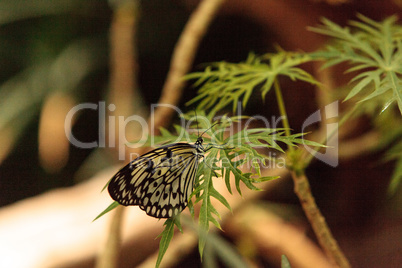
(160, 181)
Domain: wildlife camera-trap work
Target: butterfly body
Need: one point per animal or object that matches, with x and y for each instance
(161, 181)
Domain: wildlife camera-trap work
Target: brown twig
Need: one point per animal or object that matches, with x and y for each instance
(359, 146)
(274, 236)
(123, 92)
(108, 257)
(303, 191)
(183, 57)
(317, 221)
(53, 143)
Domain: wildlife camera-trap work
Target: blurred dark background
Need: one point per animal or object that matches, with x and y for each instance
(63, 46)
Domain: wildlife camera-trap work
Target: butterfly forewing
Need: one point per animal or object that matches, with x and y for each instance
(160, 181)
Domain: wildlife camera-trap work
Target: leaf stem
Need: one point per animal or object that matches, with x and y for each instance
(282, 109)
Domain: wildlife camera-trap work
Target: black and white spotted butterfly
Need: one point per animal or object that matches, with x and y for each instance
(161, 181)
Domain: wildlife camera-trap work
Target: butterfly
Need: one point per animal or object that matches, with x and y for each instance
(161, 181)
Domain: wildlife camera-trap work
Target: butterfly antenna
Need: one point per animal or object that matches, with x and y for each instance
(196, 120)
(210, 128)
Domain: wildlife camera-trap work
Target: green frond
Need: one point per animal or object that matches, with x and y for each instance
(285, 262)
(218, 251)
(368, 45)
(222, 83)
(167, 236)
(205, 216)
(224, 157)
(112, 206)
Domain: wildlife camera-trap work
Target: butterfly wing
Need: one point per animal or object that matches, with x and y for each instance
(160, 181)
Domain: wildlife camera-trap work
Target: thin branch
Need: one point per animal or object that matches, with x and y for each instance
(123, 94)
(108, 257)
(274, 236)
(303, 191)
(359, 146)
(124, 90)
(53, 143)
(317, 221)
(182, 59)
